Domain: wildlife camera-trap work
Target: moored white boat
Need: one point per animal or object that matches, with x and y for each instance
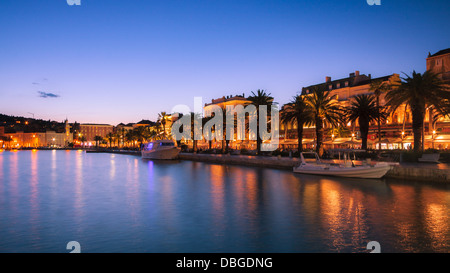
(160, 149)
(348, 169)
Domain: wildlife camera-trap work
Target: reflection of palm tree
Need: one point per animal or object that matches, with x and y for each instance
(324, 108)
(299, 112)
(363, 108)
(420, 91)
(259, 98)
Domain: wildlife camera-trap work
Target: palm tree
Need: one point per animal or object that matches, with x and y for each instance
(258, 99)
(364, 109)
(151, 133)
(130, 137)
(123, 131)
(324, 109)
(194, 118)
(420, 91)
(162, 118)
(297, 111)
(225, 140)
(97, 139)
(204, 121)
(139, 133)
(110, 138)
(83, 139)
(379, 87)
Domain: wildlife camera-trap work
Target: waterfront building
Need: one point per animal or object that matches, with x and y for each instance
(344, 90)
(438, 133)
(227, 102)
(124, 127)
(143, 123)
(55, 139)
(396, 131)
(439, 63)
(90, 130)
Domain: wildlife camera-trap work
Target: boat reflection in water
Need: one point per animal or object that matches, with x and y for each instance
(119, 203)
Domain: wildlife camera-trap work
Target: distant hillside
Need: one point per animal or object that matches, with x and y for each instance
(14, 124)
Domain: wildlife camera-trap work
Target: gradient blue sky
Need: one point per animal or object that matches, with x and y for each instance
(112, 61)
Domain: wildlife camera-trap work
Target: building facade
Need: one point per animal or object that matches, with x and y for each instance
(37, 139)
(396, 131)
(439, 63)
(89, 131)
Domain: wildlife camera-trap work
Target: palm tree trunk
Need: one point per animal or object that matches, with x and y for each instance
(379, 123)
(258, 138)
(417, 126)
(364, 129)
(319, 136)
(223, 146)
(300, 136)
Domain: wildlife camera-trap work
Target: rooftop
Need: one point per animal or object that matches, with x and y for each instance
(354, 79)
(226, 98)
(441, 52)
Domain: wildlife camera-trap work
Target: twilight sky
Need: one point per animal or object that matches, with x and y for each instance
(111, 61)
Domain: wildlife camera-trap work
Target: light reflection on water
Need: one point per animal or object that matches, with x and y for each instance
(121, 203)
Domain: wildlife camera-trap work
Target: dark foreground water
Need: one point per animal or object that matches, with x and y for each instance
(121, 203)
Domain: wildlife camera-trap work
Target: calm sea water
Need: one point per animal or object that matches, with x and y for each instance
(121, 203)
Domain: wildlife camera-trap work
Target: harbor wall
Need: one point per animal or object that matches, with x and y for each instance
(419, 172)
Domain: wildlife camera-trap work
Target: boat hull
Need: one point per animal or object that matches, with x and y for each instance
(170, 153)
(355, 172)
